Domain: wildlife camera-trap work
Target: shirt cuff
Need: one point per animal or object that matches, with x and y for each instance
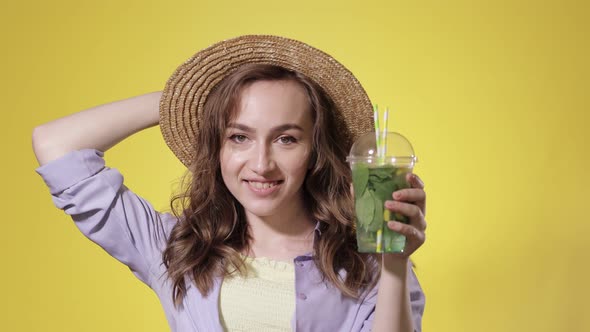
(71, 168)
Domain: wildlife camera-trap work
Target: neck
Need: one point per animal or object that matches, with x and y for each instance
(282, 236)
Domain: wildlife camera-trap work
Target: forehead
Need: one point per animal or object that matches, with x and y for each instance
(270, 103)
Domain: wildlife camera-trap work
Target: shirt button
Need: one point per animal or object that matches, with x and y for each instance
(300, 264)
(302, 296)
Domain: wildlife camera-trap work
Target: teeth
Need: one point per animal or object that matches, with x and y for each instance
(262, 185)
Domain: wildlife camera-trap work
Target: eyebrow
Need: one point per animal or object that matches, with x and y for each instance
(280, 128)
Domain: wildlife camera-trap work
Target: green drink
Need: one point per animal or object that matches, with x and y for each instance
(373, 185)
(375, 178)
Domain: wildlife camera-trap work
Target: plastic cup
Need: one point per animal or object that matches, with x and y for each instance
(375, 176)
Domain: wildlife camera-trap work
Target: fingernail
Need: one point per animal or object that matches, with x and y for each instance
(397, 195)
(394, 226)
(417, 180)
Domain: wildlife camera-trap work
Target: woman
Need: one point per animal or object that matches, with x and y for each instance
(262, 238)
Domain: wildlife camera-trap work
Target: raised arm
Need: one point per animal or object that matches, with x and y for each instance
(100, 127)
(70, 151)
(397, 308)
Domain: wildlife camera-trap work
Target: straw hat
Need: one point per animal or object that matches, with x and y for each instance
(184, 96)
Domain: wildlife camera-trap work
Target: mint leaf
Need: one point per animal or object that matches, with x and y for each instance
(365, 209)
(382, 172)
(377, 221)
(360, 176)
(383, 190)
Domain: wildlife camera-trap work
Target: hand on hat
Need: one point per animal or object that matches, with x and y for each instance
(410, 202)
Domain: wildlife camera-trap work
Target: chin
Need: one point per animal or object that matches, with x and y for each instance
(261, 210)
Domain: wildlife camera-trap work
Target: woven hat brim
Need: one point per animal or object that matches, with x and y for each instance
(186, 91)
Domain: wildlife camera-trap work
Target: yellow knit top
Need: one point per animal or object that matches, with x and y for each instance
(262, 301)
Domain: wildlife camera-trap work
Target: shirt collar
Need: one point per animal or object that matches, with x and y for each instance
(317, 234)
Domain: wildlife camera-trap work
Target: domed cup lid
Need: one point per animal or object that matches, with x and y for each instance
(397, 150)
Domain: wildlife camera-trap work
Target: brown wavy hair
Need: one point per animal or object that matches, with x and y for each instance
(212, 228)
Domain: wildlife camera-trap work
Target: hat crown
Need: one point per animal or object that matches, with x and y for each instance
(186, 91)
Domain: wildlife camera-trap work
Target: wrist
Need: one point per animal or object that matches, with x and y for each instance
(395, 264)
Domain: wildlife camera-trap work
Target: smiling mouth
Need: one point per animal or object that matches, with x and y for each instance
(264, 185)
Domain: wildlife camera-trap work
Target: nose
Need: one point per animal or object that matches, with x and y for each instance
(262, 161)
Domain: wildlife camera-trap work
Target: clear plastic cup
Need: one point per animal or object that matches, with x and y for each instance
(374, 178)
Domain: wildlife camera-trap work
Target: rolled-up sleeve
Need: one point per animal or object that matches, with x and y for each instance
(417, 300)
(105, 210)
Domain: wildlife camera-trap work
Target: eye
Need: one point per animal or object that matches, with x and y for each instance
(237, 138)
(287, 140)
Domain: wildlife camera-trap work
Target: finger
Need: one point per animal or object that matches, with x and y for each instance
(411, 211)
(409, 195)
(407, 209)
(416, 196)
(409, 231)
(414, 181)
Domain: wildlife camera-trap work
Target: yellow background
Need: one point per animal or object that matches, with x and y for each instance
(493, 95)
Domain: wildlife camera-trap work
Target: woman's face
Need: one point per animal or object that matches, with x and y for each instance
(267, 147)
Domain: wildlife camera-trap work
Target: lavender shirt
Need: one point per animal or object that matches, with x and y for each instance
(130, 230)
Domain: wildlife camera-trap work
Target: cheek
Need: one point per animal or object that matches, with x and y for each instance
(231, 162)
(225, 162)
(297, 164)
(222, 159)
(227, 156)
